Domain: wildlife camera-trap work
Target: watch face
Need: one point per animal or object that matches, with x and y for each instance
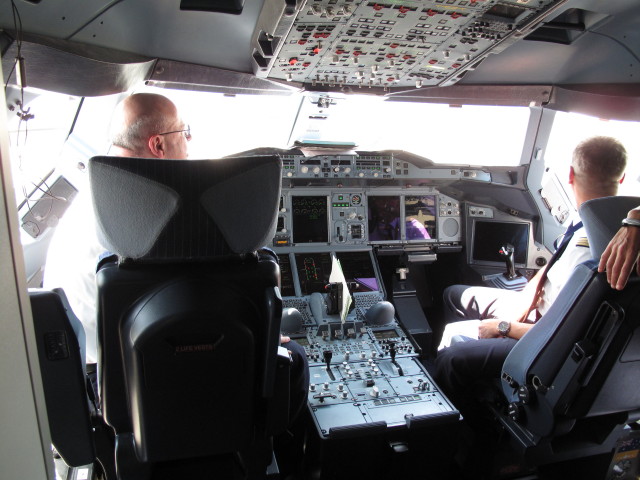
(503, 328)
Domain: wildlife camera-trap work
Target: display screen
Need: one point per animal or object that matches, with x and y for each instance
(358, 271)
(286, 277)
(309, 217)
(384, 218)
(385, 334)
(313, 271)
(489, 237)
(302, 341)
(420, 217)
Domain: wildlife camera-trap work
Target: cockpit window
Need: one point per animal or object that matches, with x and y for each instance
(569, 129)
(39, 124)
(223, 125)
(469, 135)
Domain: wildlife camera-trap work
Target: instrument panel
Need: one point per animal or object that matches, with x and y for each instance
(369, 215)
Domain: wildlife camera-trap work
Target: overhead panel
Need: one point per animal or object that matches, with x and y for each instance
(387, 43)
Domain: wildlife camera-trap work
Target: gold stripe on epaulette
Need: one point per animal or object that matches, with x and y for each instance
(583, 242)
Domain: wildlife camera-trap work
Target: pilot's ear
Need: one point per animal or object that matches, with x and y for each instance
(156, 146)
(572, 175)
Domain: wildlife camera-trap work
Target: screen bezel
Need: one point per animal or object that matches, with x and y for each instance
(492, 263)
(433, 239)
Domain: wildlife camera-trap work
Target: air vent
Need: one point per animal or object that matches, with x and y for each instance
(567, 27)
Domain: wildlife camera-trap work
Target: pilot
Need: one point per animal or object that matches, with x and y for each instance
(505, 316)
(75, 250)
(144, 125)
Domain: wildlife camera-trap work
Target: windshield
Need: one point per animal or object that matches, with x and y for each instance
(470, 135)
(226, 124)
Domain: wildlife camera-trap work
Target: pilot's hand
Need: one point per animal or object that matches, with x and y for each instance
(620, 255)
(488, 328)
(284, 339)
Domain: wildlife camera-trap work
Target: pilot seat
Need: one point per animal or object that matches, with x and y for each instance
(191, 375)
(571, 383)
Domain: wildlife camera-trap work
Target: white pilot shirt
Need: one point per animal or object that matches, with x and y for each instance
(577, 252)
(72, 259)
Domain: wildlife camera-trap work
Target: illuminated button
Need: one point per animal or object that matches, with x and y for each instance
(316, 170)
(375, 392)
(304, 169)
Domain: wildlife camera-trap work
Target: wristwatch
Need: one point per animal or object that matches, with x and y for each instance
(503, 328)
(630, 222)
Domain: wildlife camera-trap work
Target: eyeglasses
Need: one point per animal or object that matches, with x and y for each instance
(186, 132)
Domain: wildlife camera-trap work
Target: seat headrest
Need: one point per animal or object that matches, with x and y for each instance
(157, 209)
(601, 218)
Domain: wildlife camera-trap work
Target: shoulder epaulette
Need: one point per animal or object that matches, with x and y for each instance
(582, 242)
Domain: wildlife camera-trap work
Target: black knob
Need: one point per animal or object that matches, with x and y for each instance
(525, 395)
(515, 411)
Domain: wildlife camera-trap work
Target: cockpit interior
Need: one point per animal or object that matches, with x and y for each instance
(349, 160)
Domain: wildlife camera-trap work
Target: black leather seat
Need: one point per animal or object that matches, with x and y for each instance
(572, 381)
(189, 314)
(60, 340)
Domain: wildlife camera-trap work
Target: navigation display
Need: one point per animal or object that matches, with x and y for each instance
(358, 271)
(313, 271)
(384, 218)
(489, 237)
(420, 217)
(309, 217)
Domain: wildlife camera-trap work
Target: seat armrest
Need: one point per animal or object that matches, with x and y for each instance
(278, 417)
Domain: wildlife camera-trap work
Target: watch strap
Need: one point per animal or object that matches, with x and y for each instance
(630, 222)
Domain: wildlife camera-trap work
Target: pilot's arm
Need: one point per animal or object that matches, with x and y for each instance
(517, 327)
(622, 252)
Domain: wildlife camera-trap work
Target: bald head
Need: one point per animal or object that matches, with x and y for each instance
(138, 122)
